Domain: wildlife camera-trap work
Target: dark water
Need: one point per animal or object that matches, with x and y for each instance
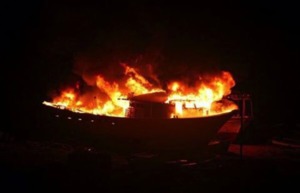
(48, 167)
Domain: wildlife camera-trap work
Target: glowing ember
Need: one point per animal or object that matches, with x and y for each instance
(202, 98)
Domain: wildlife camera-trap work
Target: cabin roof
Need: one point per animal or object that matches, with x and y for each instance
(158, 97)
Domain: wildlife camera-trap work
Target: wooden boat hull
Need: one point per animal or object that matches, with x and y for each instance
(132, 134)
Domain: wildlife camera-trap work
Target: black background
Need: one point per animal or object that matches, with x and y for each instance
(256, 41)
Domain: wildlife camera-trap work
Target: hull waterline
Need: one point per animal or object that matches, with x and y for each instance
(132, 134)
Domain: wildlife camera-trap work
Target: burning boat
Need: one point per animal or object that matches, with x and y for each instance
(148, 126)
(151, 120)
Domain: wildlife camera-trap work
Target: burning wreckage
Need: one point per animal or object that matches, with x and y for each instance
(181, 118)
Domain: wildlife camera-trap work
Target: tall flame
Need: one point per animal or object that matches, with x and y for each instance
(202, 96)
(106, 97)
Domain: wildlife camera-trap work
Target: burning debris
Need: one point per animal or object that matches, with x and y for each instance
(134, 95)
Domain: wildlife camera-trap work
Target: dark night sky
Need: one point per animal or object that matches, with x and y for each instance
(257, 42)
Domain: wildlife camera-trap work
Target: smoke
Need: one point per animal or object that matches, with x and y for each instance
(89, 66)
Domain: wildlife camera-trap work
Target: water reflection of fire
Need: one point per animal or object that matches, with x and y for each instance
(202, 98)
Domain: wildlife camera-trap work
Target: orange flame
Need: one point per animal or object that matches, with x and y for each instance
(201, 99)
(198, 100)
